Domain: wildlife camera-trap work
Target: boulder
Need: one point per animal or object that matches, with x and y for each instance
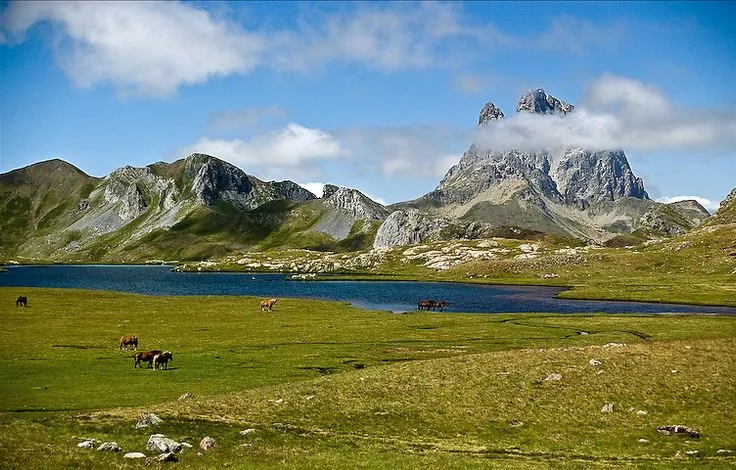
(134, 455)
(148, 419)
(207, 443)
(109, 447)
(161, 443)
(677, 430)
(88, 444)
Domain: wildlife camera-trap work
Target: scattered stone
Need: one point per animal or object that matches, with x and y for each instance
(724, 451)
(167, 457)
(677, 429)
(88, 444)
(691, 452)
(184, 396)
(554, 376)
(674, 371)
(161, 443)
(614, 345)
(207, 443)
(607, 408)
(594, 362)
(642, 413)
(277, 402)
(245, 432)
(134, 455)
(186, 444)
(148, 419)
(109, 446)
(309, 397)
(598, 372)
(643, 441)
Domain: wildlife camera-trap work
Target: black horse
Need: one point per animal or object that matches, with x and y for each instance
(22, 300)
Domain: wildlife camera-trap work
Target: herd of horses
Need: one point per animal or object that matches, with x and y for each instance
(155, 358)
(432, 304)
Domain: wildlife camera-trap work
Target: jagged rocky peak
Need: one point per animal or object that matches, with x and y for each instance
(489, 113)
(328, 190)
(355, 204)
(538, 101)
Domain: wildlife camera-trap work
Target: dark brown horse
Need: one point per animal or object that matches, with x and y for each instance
(21, 301)
(440, 305)
(425, 304)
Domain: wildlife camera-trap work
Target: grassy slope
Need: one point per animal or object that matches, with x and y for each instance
(39, 199)
(437, 390)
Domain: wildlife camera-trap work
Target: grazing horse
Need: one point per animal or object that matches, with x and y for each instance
(22, 300)
(161, 361)
(440, 305)
(127, 341)
(267, 304)
(145, 356)
(425, 304)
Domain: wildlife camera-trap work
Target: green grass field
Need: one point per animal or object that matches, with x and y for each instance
(326, 385)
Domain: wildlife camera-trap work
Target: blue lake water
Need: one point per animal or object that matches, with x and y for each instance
(394, 296)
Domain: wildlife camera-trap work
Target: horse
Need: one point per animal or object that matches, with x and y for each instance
(425, 304)
(440, 305)
(127, 341)
(267, 304)
(21, 301)
(161, 361)
(145, 356)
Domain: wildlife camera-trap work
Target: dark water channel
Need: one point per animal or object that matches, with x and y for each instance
(394, 296)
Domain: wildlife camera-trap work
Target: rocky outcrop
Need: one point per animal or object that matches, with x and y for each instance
(489, 113)
(585, 177)
(356, 204)
(328, 190)
(408, 228)
(538, 101)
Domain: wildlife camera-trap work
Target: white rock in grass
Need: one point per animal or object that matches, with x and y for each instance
(245, 432)
(607, 408)
(88, 444)
(109, 446)
(161, 443)
(594, 362)
(134, 455)
(643, 441)
(207, 443)
(148, 419)
(167, 457)
(554, 376)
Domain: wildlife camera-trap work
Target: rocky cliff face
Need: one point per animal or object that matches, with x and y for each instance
(538, 101)
(409, 228)
(356, 204)
(488, 113)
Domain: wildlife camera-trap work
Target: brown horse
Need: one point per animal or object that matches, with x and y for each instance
(267, 304)
(425, 304)
(440, 305)
(145, 356)
(127, 341)
(21, 301)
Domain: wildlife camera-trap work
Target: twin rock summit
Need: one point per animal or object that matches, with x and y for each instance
(202, 207)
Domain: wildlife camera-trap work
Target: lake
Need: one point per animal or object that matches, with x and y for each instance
(395, 296)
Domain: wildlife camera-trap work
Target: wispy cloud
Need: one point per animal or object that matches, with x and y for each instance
(294, 149)
(617, 112)
(152, 48)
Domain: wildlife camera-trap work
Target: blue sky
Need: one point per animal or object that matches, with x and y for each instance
(382, 97)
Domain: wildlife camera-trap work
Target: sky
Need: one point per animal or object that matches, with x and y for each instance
(382, 97)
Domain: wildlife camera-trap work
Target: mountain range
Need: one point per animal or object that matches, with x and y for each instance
(202, 207)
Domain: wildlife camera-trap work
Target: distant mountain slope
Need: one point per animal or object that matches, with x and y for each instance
(193, 208)
(726, 213)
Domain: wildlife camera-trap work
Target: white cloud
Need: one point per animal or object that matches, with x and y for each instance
(279, 154)
(470, 83)
(616, 112)
(146, 48)
(231, 119)
(315, 188)
(712, 206)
